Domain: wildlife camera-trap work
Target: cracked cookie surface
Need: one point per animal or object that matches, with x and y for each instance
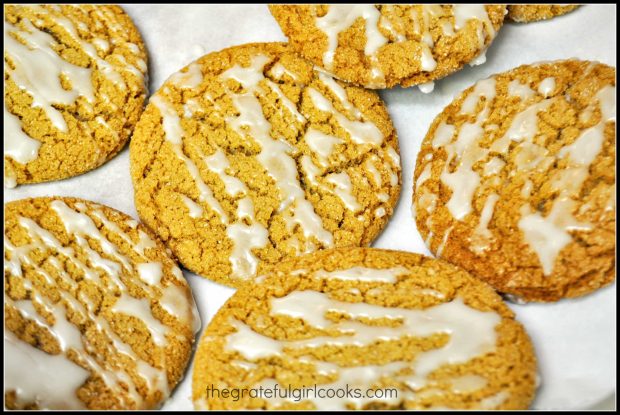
(361, 318)
(75, 87)
(515, 180)
(380, 46)
(97, 315)
(525, 13)
(248, 156)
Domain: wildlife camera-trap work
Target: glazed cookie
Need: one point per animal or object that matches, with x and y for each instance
(96, 313)
(380, 46)
(525, 13)
(248, 156)
(425, 332)
(74, 79)
(515, 181)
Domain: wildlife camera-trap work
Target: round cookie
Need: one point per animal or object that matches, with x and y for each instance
(248, 156)
(425, 332)
(96, 313)
(380, 46)
(515, 180)
(525, 13)
(75, 85)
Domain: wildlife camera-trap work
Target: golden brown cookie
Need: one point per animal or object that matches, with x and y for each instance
(96, 313)
(525, 13)
(248, 156)
(422, 331)
(380, 46)
(515, 181)
(74, 79)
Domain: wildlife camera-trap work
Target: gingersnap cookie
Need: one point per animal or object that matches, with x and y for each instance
(362, 328)
(380, 46)
(248, 156)
(74, 88)
(96, 313)
(525, 13)
(515, 181)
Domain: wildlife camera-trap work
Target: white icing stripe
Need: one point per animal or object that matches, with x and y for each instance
(344, 190)
(546, 86)
(340, 17)
(517, 89)
(79, 225)
(322, 144)
(360, 132)
(38, 68)
(141, 309)
(547, 236)
(37, 376)
(195, 210)
(188, 79)
(275, 154)
(471, 334)
(278, 71)
(388, 275)
(17, 144)
(340, 93)
(482, 234)
(174, 135)
(150, 272)
(218, 163)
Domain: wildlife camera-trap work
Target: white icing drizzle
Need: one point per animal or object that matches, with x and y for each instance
(482, 235)
(468, 383)
(340, 93)
(344, 190)
(443, 135)
(464, 181)
(218, 163)
(523, 127)
(274, 156)
(443, 243)
(484, 88)
(321, 144)
(360, 132)
(79, 226)
(17, 144)
(427, 87)
(342, 16)
(173, 132)
(517, 89)
(493, 401)
(141, 309)
(36, 376)
(67, 335)
(424, 176)
(387, 275)
(547, 236)
(546, 86)
(463, 13)
(372, 169)
(195, 210)
(493, 166)
(471, 334)
(38, 69)
(278, 71)
(188, 79)
(150, 272)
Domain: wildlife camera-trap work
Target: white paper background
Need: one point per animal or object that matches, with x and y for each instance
(574, 340)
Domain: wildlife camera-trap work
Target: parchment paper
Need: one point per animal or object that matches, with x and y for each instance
(574, 339)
